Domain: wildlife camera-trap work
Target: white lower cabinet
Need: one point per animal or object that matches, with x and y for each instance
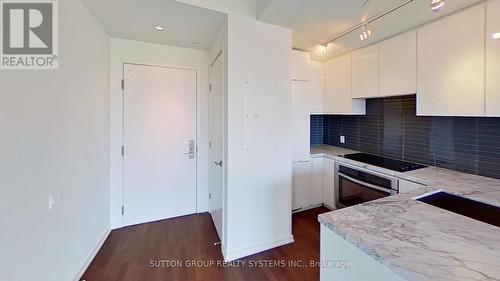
(329, 183)
(314, 183)
(317, 181)
(307, 184)
(343, 261)
(301, 182)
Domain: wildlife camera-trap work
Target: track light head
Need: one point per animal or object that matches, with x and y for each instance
(365, 34)
(325, 49)
(437, 5)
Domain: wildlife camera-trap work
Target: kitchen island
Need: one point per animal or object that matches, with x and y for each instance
(400, 238)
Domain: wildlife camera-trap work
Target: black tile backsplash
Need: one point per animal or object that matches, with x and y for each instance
(391, 128)
(369, 125)
(317, 129)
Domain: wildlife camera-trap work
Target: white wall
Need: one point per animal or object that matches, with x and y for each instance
(257, 203)
(54, 138)
(259, 153)
(126, 51)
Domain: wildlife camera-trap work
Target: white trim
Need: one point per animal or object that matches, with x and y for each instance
(92, 256)
(307, 208)
(220, 56)
(257, 249)
(329, 207)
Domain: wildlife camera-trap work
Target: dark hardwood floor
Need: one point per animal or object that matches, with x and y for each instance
(183, 249)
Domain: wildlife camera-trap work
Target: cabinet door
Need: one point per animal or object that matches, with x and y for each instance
(317, 178)
(300, 66)
(398, 65)
(329, 183)
(365, 72)
(338, 92)
(301, 182)
(492, 59)
(317, 94)
(301, 104)
(451, 64)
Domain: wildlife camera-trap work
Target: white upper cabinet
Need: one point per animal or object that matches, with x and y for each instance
(492, 59)
(300, 66)
(398, 65)
(338, 91)
(451, 65)
(365, 64)
(317, 94)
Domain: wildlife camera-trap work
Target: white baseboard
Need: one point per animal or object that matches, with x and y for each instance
(92, 256)
(257, 249)
(307, 208)
(329, 207)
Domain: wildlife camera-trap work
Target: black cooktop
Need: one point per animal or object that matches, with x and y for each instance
(384, 162)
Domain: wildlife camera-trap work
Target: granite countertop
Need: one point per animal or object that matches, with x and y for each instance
(420, 241)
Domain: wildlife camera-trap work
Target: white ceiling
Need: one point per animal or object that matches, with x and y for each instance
(134, 20)
(318, 21)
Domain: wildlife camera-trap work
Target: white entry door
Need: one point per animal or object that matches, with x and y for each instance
(159, 139)
(216, 144)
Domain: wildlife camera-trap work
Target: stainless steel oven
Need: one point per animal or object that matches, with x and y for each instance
(355, 185)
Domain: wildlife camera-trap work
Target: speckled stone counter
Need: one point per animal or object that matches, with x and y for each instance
(420, 241)
(328, 150)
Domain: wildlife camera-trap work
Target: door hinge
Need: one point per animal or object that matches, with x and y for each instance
(210, 144)
(123, 210)
(123, 84)
(210, 196)
(123, 150)
(210, 87)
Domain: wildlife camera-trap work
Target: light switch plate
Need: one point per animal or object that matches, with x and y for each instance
(342, 139)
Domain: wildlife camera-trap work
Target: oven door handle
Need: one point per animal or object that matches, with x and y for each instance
(388, 190)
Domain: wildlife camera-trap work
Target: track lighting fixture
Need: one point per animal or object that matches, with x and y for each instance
(437, 5)
(365, 34)
(159, 27)
(325, 49)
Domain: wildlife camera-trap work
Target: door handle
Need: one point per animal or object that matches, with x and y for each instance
(218, 163)
(191, 150)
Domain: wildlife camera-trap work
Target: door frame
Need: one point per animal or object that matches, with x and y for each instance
(220, 56)
(122, 120)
